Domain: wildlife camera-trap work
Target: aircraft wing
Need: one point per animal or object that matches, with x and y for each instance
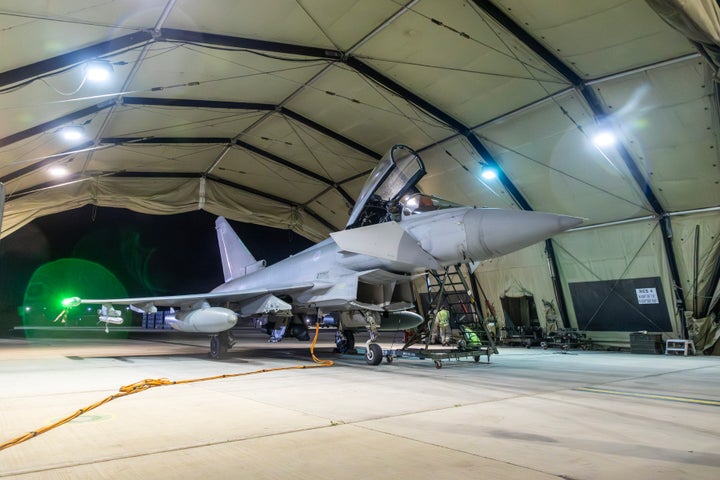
(189, 299)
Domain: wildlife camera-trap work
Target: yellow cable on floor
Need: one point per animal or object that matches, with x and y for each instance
(146, 384)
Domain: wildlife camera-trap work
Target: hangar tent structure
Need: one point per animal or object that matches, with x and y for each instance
(275, 112)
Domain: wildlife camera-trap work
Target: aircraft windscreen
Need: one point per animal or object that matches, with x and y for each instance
(417, 203)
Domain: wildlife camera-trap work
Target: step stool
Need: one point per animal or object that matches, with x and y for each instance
(678, 345)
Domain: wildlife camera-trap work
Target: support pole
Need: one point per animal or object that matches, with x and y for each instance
(557, 283)
(2, 204)
(667, 235)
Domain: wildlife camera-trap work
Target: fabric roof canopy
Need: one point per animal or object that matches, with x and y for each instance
(274, 112)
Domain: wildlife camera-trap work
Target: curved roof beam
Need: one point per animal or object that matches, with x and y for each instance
(188, 36)
(228, 141)
(56, 123)
(182, 102)
(76, 57)
(45, 162)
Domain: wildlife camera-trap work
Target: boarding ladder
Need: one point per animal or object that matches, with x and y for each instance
(451, 287)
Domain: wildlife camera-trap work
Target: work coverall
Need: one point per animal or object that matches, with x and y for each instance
(441, 326)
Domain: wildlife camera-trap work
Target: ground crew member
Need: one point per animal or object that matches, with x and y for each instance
(441, 326)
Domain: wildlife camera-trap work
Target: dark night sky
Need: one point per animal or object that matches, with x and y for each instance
(149, 254)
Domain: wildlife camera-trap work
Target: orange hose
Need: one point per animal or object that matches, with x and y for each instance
(149, 383)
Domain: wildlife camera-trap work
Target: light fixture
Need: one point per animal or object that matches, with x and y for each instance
(58, 171)
(72, 132)
(98, 70)
(488, 173)
(604, 138)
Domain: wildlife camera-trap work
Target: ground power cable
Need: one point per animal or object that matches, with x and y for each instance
(149, 383)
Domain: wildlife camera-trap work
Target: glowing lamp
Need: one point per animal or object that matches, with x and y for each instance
(58, 171)
(72, 132)
(488, 172)
(71, 302)
(605, 138)
(98, 71)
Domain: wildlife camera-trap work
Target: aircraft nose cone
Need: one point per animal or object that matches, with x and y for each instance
(493, 233)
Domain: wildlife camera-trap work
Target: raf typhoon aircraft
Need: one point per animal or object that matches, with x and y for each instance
(360, 276)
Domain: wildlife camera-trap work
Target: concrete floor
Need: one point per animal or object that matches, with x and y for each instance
(528, 414)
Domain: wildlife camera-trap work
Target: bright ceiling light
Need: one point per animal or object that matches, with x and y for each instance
(98, 70)
(488, 172)
(72, 132)
(58, 171)
(606, 138)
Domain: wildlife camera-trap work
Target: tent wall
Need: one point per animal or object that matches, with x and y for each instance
(172, 196)
(696, 238)
(612, 254)
(522, 273)
(618, 254)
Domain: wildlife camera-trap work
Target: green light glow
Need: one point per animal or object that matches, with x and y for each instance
(71, 302)
(56, 286)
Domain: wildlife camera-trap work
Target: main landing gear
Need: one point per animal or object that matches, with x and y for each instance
(344, 341)
(353, 320)
(220, 343)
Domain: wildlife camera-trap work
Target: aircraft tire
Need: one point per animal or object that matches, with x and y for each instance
(373, 354)
(346, 344)
(218, 346)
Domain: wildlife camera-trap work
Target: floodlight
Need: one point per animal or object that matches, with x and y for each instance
(488, 173)
(605, 138)
(72, 132)
(58, 171)
(98, 70)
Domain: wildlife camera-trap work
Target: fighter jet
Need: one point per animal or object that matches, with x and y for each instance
(361, 277)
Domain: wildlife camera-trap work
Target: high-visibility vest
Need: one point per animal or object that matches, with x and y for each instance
(443, 318)
(470, 336)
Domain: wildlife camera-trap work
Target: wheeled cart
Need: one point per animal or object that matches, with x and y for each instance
(436, 355)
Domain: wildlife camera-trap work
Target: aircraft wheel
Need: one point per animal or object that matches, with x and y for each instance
(373, 354)
(344, 342)
(217, 346)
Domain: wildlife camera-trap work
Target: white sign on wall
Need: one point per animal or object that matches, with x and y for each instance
(646, 295)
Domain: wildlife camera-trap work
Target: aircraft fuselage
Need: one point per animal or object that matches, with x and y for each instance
(416, 243)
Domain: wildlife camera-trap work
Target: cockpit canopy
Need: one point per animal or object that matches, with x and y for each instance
(391, 193)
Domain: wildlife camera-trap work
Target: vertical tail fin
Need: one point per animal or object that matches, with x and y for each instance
(237, 261)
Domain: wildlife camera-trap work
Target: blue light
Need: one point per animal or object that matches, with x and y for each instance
(488, 173)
